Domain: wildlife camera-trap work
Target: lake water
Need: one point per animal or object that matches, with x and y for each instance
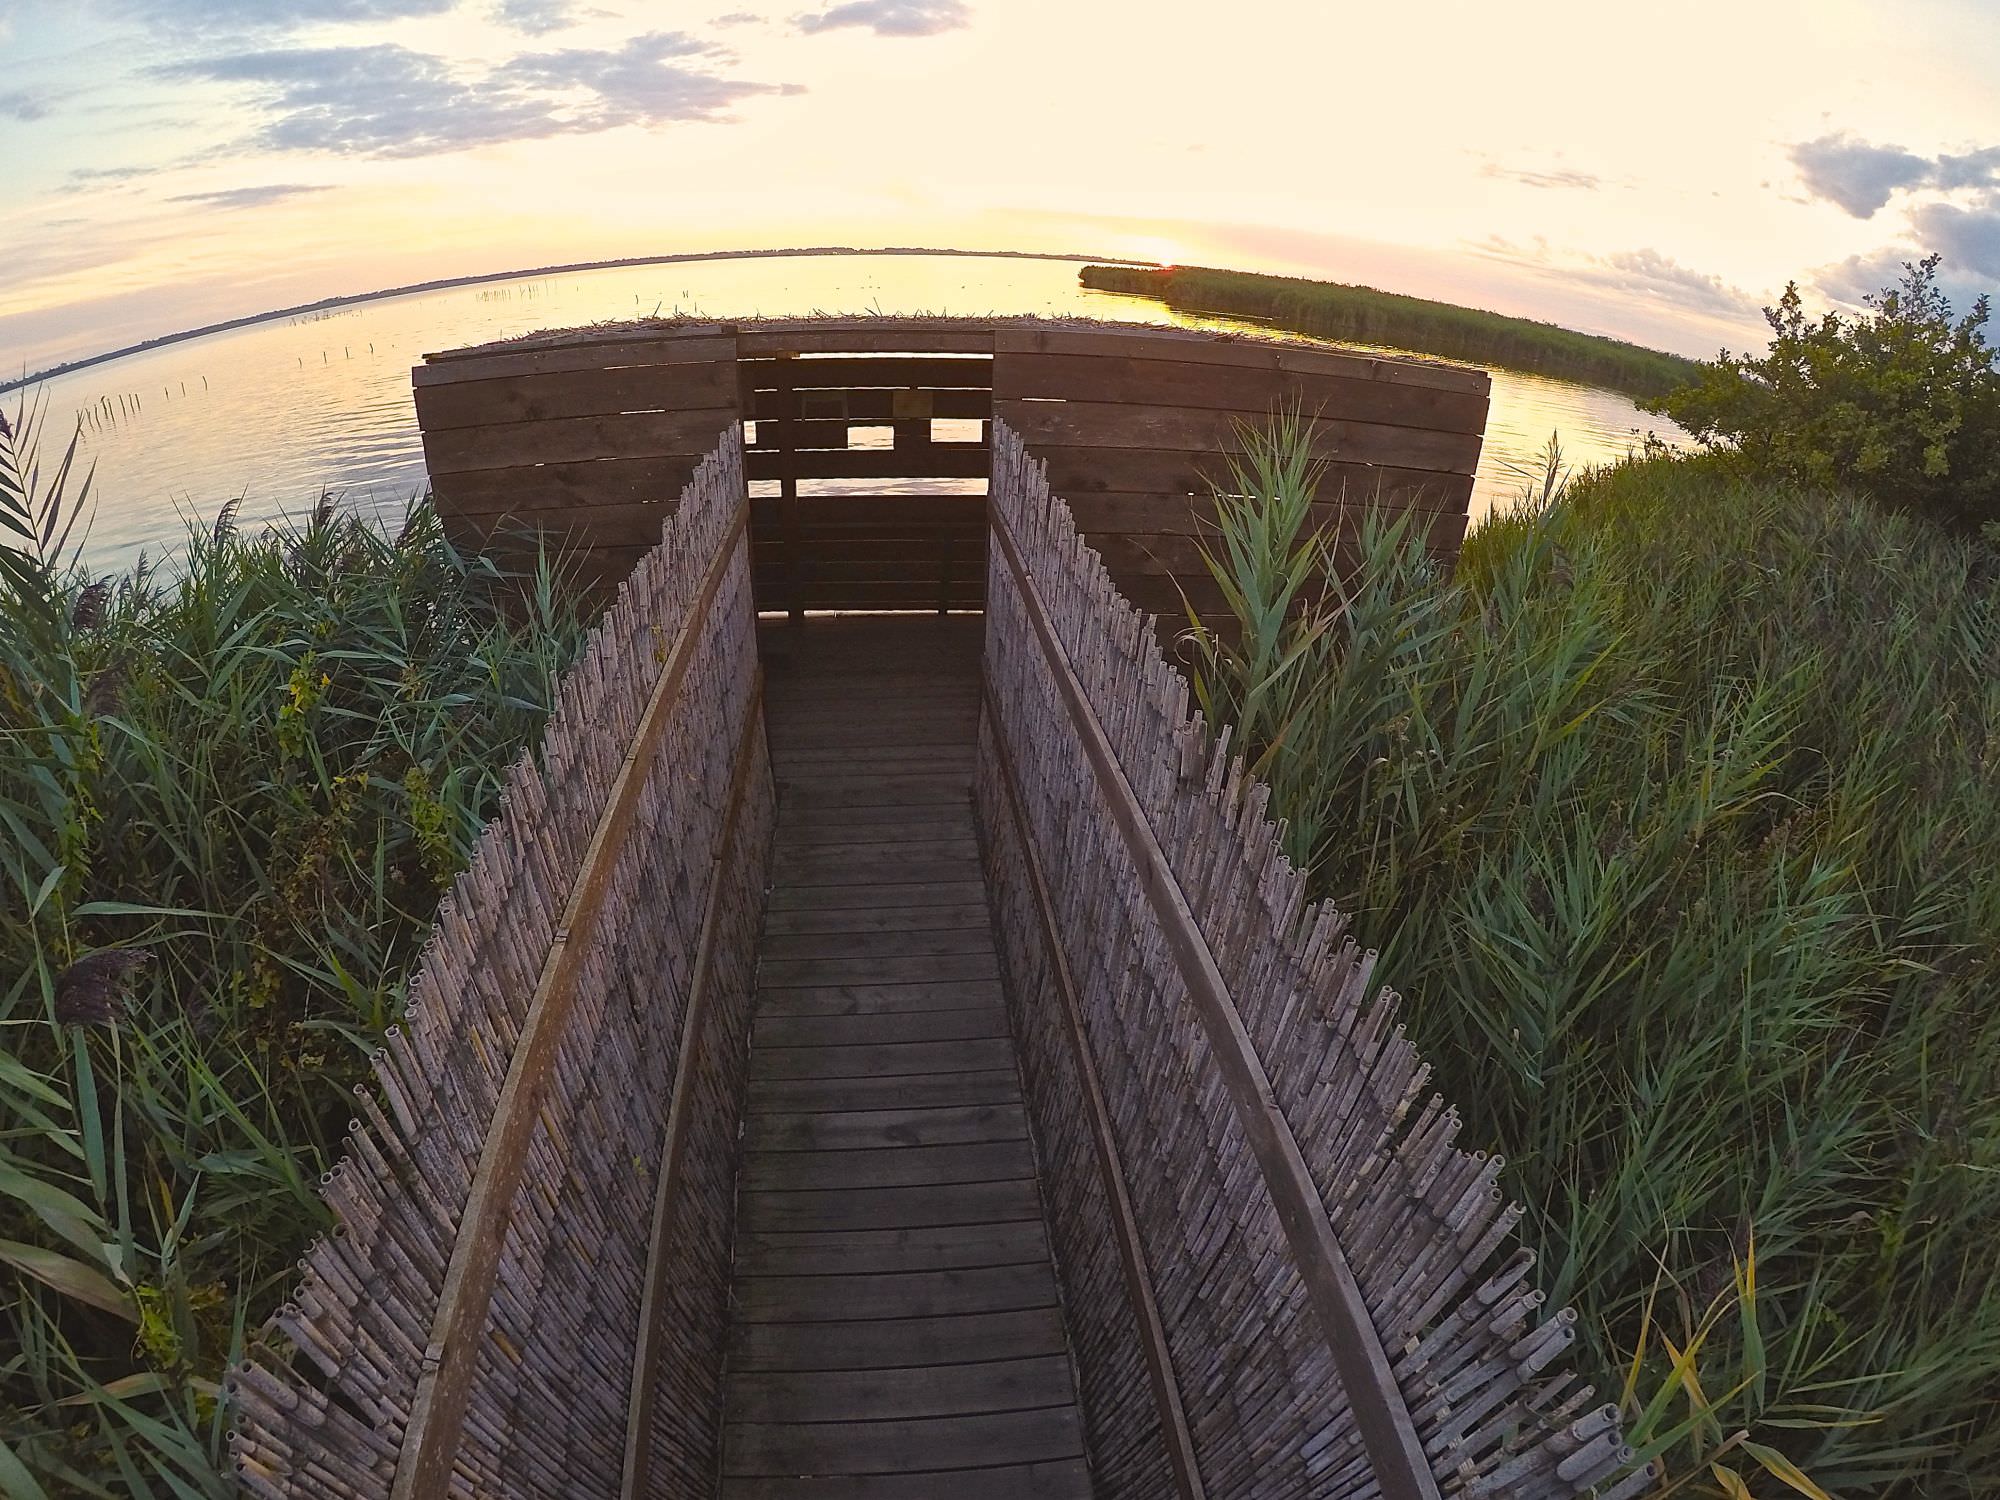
(281, 410)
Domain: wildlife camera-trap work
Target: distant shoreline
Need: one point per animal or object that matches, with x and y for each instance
(445, 283)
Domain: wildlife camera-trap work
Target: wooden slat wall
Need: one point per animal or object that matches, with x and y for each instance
(1135, 426)
(551, 1010)
(586, 440)
(585, 437)
(1346, 1311)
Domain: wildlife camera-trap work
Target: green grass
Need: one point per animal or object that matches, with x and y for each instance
(1360, 314)
(260, 769)
(1676, 816)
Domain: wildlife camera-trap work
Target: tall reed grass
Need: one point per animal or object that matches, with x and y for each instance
(231, 793)
(1361, 314)
(1675, 812)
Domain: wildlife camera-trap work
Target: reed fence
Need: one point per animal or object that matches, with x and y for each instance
(525, 1294)
(1281, 1275)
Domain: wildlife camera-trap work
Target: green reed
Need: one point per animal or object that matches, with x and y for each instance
(232, 794)
(1674, 813)
(1361, 314)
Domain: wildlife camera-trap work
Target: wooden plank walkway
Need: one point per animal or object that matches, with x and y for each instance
(896, 1333)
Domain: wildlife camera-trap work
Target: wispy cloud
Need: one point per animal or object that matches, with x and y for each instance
(890, 17)
(23, 105)
(251, 197)
(1644, 274)
(1559, 177)
(1861, 177)
(211, 17)
(536, 17)
(390, 101)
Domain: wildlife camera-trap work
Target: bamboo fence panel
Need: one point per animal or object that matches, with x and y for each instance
(1333, 1277)
(651, 786)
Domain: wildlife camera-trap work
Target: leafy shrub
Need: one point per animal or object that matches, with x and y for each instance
(1902, 405)
(230, 798)
(1674, 814)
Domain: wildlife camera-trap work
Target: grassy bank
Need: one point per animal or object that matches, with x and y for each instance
(1675, 816)
(231, 798)
(1361, 314)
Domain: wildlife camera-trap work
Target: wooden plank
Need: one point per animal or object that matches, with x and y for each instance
(903, 1446)
(830, 545)
(853, 1298)
(498, 361)
(883, 1060)
(894, 372)
(888, 1207)
(660, 434)
(863, 337)
(1183, 514)
(879, 942)
(875, 1129)
(876, 999)
(543, 397)
(541, 487)
(897, 1342)
(877, 405)
(896, 1165)
(883, 791)
(1077, 472)
(1014, 1242)
(797, 1095)
(1101, 424)
(458, 1327)
(939, 461)
(915, 893)
(905, 513)
(976, 1024)
(1067, 1479)
(940, 1391)
(888, 828)
(1203, 347)
(1247, 390)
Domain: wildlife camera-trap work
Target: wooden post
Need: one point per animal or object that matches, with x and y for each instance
(791, 531)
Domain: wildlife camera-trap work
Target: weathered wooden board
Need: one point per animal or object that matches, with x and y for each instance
(645, 434)
(1045, 425)
(1200, 347)
(544, 396)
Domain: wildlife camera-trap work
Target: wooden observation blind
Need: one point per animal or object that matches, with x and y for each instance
(868, 442)
(891, 1057)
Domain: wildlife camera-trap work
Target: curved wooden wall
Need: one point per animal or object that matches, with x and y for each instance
(587, 436)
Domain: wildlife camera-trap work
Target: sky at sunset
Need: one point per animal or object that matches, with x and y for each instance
(1655, 174)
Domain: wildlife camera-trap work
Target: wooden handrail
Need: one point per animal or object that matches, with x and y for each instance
(1174, 1431)
(444, 1387)
(1381, 1416)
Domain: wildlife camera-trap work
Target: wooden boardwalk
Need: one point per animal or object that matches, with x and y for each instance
(895, 1329)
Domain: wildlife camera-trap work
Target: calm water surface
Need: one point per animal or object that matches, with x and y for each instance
(279, 411)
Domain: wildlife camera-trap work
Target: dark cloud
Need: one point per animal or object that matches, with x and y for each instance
(536, 17)
(22, 105)
(251, 197)
(1967, 238)
(390, 101)
(1558, 178)
(1861, 177)
(891, 17)
(1856, 175)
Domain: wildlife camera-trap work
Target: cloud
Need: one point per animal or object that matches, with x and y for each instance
(891, 17)
(1644, 275)
(22, 105)
(108, 174)
(738, 18)
(251, 197)
(1861, 177)
(1559, 178)
(536, 17)
(1967, 238)
(223, 16)
(389, 101)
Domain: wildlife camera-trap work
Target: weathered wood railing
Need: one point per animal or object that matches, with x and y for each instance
(497, 1310)
(1282, 1278)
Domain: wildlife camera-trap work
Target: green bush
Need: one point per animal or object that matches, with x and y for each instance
(230, 798)
(1675, 815)
(1902, 405)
